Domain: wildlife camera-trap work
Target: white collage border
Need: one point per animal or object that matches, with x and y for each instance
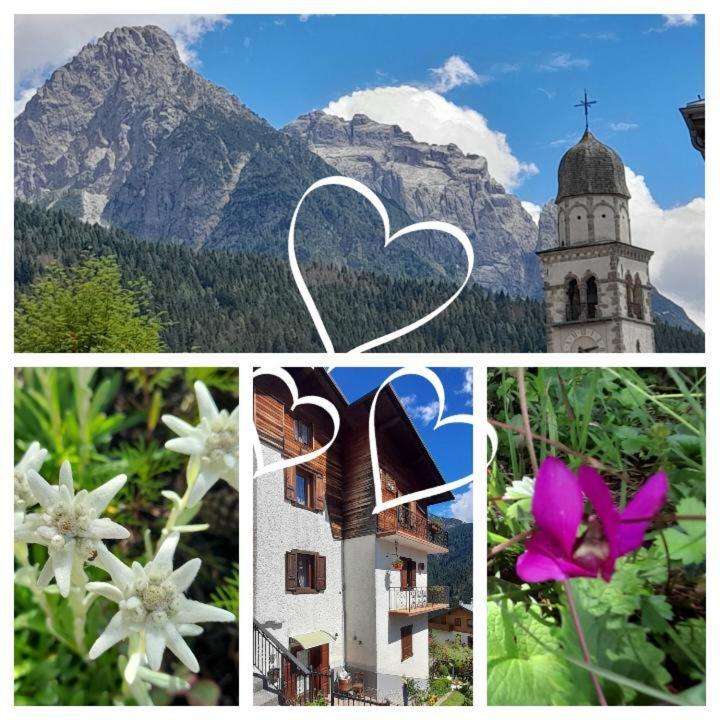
(246, 363)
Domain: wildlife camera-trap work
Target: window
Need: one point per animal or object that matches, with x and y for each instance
(457, 622)
(572, 308)
(303, 489)
(406, 648)
(303, 432)
(408, 574)
(469, 622)
(592, 297)
(304, 572)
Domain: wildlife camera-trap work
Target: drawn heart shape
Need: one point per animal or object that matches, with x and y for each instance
(369, 195)
(441, 421)
(314, 400)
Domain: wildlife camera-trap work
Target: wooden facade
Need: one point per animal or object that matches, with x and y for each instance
(342, 477)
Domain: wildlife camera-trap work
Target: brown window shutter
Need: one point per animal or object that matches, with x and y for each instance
(320, 573)
(412, 574)
(406, 649)
(291, 571)
(290, 484)
(319, 492)
(404, 576)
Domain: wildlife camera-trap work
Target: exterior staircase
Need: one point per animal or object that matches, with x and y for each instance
(262, 695)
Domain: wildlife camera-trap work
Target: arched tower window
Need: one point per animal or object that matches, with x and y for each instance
(572, 307)
(604, 223)
(624, 224)
(578, 225)
(638, 303)
(629, 294)
(562, 234)
(591, 293)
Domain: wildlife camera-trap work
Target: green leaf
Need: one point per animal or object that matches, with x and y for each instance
(686, 542)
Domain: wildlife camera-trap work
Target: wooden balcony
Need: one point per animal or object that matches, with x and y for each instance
(412, 529)
(418, 600)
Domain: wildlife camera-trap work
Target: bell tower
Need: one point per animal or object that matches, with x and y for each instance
(596, 282)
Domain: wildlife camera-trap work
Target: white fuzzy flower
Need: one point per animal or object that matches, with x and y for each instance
(214, 443)
(33, 459)
(69, 525)
(152, 603)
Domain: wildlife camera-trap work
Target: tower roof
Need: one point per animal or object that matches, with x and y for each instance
(591, 168)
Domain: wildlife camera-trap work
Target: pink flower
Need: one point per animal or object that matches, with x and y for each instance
(555, 552)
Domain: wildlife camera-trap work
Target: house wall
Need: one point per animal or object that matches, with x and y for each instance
(389, 666)
(359, 576)
(280, 527)
(443, 636)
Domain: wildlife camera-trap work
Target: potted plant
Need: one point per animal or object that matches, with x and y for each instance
(435, 527)
(397, 564)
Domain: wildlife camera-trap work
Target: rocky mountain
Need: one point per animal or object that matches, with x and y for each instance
(128, 136)
(434, 182)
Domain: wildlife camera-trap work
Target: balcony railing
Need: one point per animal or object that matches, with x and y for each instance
(403, 519)
(411, 601)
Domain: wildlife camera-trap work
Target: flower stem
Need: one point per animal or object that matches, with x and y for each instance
(583, 643)
(522, 394)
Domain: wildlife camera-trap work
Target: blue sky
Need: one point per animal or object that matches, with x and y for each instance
(450, 446)
(531, 70)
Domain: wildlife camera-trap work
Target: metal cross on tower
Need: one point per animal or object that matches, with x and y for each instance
(586, 104)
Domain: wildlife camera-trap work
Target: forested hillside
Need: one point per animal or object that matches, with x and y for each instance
(223, 301)
(455, 568)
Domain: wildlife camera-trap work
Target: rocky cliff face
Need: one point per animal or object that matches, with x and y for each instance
(95, 139)
(434, 182)
(127, 135)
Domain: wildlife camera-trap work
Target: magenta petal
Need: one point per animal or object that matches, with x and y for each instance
(601, 500)
(533, 566)
(645, 504)
(557, 503)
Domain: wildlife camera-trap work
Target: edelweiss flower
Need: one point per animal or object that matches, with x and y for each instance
(214, 443)
(69, 525)
(33, 459)
(152, 602)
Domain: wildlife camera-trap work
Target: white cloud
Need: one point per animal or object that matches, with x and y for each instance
(467, 387)
(677, 235)
(44, 42)
(564, 61)
(431, 118)
(533, 210)
(622, 126)
(672, 21)
(462, 507)
(425, 414)
(453, 73)
(549, 94)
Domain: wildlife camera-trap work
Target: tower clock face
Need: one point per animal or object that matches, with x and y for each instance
(583, 340)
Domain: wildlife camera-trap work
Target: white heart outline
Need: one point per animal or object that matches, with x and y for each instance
(369, 195)
(435, 381)
(315, 400)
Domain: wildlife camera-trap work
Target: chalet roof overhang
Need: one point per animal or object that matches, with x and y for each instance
(395, 430)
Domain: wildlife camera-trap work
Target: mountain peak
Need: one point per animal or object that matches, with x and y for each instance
(143, 39)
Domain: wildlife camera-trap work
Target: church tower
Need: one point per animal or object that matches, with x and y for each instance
(597, 286)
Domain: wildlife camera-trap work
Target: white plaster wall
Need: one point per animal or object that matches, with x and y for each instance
(359, 574)
(279, 527)
(389, 654)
